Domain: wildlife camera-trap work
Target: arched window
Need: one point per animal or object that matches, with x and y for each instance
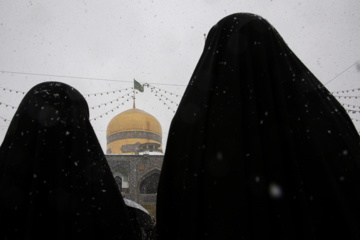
(121, 177)
(150, 183)
(118, 180)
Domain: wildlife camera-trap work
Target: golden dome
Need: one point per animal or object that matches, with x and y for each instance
(133, 131)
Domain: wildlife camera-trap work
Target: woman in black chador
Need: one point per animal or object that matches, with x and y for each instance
(258, 148)
(55, 182)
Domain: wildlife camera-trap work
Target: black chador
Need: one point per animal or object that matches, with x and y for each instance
(258, 148)
(55, 182)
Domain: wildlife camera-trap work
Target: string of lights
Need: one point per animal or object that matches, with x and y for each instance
(165, 100)
(7, 105)
(111, 101)
(346, 91)
(12, 90)
(165, 91)
(111, 110)
(350, 105)
(168, 106)
(339, 96)
(157, 94)
(355, 120)
(352, 111)
(109, 92)
(166, 97)
(5, 119)
(152, 87)
(162, 97)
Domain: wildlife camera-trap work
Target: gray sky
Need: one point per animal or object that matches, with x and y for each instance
(159, 42)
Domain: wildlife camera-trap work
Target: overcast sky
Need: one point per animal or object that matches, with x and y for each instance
(101, 46)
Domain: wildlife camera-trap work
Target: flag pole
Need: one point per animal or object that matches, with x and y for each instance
(134, 96)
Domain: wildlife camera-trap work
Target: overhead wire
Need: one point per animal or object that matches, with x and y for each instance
(338, 75)
(86, 78)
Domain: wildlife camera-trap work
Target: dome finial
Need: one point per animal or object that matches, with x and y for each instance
(134, 99)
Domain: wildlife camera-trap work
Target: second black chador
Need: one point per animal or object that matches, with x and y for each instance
(258, 148)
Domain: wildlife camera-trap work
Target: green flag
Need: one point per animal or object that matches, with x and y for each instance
(138, 86)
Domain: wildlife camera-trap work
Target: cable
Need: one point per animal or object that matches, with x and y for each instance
(342, 72)
(86, 78)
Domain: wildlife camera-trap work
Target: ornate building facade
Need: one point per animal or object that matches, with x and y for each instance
(134, 153)
(137, 177)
